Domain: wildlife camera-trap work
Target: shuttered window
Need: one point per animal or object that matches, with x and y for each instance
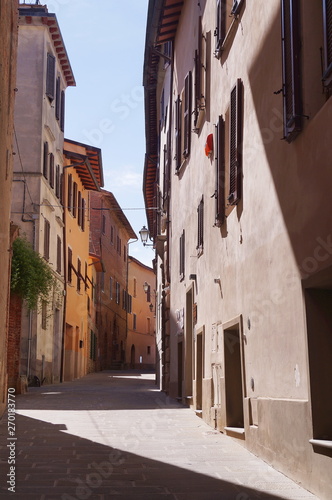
(74, 199)
(78, 275)
(83, 215)
(79, 209)
(70, 265)
(45, 160)
(235, 144)
(61, 189)
(220, 172)
(117, 293)
(70, 193)
(58, 255)
(47, 233)
(292, 93)
(51, 178)
(178, 132)
(50, 76)
(220, 31)
(182, 256)
(111, 288)
(187, 114)
(57, 181)
(200, 226)
(62, 111)
(57, 99)
(327, 19)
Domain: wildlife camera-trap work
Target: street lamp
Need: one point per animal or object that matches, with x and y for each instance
(144, 234)
(146, 287)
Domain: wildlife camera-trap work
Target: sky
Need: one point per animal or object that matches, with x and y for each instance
(105, 42)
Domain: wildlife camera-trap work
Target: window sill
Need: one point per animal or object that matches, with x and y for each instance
(324, 443)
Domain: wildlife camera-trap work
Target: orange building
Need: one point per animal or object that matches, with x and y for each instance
(141, 339)
(82, 174)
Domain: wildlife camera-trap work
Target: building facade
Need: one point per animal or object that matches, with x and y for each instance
(238, 165)
(8, 51)
(82, 174)
(141, 340)
(43, 74)
(110, 232)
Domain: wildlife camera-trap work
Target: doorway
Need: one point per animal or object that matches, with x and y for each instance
(199, 369)
(180, 368)
(233, 377)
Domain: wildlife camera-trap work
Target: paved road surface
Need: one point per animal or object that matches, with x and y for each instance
(112, 435)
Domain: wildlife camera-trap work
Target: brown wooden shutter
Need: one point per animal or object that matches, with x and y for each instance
(45, 160)
(51, 179)
(78, 275)
(220, 172)
(47, 231)
(61, 189)
(83, 215)
(74, 199)
(70, 265)
(327, 20)
(220, 31)
(79, 209)
(182, 256)
(197, 86)
(57, 99)
(178, 112)
(187, 114)
(57, 181)
(70, 192)
(58, 255)
(291, 45)
(50, 76)
(235, 145)
(62, 111)
(200, 225)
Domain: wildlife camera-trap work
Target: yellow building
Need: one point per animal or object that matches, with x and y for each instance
(141, 340)
(82, 174)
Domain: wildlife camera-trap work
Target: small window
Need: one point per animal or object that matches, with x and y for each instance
(219, 146)
(50, 77)
(47, 233)
(102, 281)
(112, 235)
(220, 31)
(134, 322)
(182, 256)
(117, 292)
(111, 288)
(58, 255)
(148, 349)
(70, 265)
(57, 181)
(57, 99)
(129, 304)
(74, 199)
(79, 275)
(235, 145)
(135, 287)
(187, 114)
(103, 224)
(79, 209)
(83, 205)
(62, 111)
(70, 193)
(51, 176)
(200, 226)
(178, 132)
(45, 160)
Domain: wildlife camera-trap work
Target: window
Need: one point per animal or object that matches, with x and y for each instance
(79, 209)
(74, 199)
(129, 304)
(57, 181)
(102, 281)
(327, 19)
(70, 193)
(117, 293)
(220, 31)
(57, 99)
(112, 235)
(237, 4)
(70, 265)
(235, 145)
(51, 178)
(61, 189)
(182, 256)
(200, 225)
(111, 288)
(135, 287)
(45, 160)
(148, 349)
(93, 345)
(200, 73)
(62, 111)
(187, 114)
(148, 294)
(44, 315)
(124, 299)
(58, 255)
(83, 215)
(291, 65)
(79, 275)
(178, 132)
(219, 193)
(50, 76)
(134, 321)
(47, 232)
(103, 224)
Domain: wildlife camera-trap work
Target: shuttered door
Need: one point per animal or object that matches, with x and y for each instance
(235, 146)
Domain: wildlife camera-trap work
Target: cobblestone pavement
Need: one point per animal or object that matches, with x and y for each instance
(113, 435)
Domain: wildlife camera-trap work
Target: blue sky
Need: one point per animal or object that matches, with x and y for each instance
(105, 43)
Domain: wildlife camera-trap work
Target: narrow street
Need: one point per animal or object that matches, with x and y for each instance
(114, 435)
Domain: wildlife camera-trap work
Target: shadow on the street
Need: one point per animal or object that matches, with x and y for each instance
(58, 465)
